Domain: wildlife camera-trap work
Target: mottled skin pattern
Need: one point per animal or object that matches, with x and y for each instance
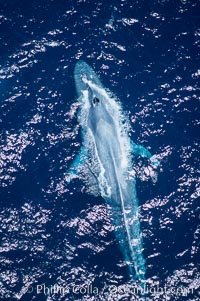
(118, 189)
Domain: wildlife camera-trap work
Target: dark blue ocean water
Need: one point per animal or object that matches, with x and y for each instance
(146, 53)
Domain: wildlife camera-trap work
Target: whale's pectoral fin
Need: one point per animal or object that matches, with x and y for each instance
(140, 150)
(149, 171)
(77, 164)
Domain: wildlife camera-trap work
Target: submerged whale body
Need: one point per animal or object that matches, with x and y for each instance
(106, 161)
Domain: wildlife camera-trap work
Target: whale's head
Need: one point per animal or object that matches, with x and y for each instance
(84, 74)
(93, 96)
(98, 105)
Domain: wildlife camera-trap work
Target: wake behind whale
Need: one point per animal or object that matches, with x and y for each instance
(106, 161)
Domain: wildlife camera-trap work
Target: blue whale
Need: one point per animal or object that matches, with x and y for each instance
(105, 162)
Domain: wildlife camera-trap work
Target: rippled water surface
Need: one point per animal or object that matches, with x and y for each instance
(56, 235)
